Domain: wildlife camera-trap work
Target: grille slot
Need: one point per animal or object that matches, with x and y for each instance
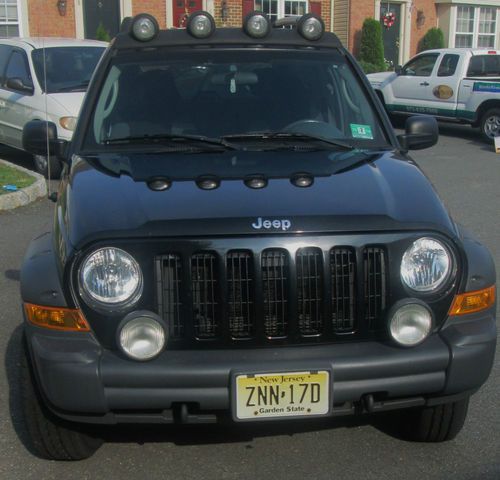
(309, 290)
(204, 288)
(274, 271)
(239, 276)
(342, 270)
(168, 283)
(375, 283)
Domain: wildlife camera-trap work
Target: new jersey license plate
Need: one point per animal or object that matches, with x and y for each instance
(291, 394)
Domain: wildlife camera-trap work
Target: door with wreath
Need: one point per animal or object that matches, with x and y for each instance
(390, 18)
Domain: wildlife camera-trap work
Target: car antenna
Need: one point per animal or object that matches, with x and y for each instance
(50, 194)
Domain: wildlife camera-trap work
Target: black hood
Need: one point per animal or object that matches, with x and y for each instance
(108, 196)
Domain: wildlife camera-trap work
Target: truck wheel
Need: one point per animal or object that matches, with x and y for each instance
(42, 166)
(490, 124)
(439, 423)
(51, 437)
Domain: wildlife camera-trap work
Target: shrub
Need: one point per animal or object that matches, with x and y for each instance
(372, 46)
(368, 67)
(102, 34)
(434, 38)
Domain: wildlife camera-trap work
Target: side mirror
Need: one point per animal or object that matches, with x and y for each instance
(35, 135)
(420, 132)
(398, 70)
(18, 85)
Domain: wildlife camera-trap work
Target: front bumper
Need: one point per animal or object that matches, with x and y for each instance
(81, 381)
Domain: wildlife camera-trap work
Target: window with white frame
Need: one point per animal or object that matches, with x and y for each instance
(476, 27)
(281, 8)
(9, 18)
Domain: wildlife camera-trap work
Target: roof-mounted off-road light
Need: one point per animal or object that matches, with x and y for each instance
(256, 25)
(311, 27)
(200, 24)
(144, 27)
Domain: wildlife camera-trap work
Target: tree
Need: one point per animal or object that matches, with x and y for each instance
(102, 34)
(372, 45)
(434, 38)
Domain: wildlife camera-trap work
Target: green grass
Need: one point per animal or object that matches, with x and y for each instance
(12, 176)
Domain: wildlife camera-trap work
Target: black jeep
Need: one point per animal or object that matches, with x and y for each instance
(240, 235)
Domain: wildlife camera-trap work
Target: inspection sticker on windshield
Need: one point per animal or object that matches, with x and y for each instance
(361, 131)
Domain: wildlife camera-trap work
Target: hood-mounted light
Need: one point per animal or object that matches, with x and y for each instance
(302, 180)
(143, 27)
(311, 27)
(256, 25)
(200, 24)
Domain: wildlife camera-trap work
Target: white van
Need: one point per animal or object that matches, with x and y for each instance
(44, 78)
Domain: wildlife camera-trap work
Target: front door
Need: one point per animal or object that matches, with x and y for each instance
(182, 9)
(101, 18)
(391, 31)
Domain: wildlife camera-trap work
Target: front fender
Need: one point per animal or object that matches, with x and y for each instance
(40, 277)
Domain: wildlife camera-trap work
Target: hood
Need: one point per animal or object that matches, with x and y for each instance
(380, 78)
(369, 192)
(70, 101)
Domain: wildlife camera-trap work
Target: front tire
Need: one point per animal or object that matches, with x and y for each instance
(42, 166)
(439, 423)
(51, 437)
(490, 124)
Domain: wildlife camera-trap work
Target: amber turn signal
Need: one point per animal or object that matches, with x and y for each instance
(56, 318)
(471, 302)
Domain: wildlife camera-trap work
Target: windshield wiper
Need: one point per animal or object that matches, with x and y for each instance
(265, 136)
(79, 87)
(191, 140)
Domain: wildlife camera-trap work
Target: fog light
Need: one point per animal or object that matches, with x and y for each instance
(144, 27)
(208, 182)
(200, 24)
(410, 323)
(257, 25)
(311, 27)
(141, 335)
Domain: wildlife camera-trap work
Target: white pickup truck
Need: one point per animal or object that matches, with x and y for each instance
(458, 84)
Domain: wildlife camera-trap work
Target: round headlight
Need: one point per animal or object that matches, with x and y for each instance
(141, 336)
(311, 27)
(410, 324)
(257, 25)
(111, 278)
(426, 265)
(144, 27)
(200, 24)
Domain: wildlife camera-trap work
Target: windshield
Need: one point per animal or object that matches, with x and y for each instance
(240, 95)
(68, 68)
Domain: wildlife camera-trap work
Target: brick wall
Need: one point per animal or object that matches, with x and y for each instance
(44, 19)
(157, 8)
(428, 7)
(359, 10)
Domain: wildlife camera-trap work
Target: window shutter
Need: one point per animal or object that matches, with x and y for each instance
(248, 6)
(315, 7)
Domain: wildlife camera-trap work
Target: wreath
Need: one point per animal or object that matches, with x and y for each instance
(389, 18)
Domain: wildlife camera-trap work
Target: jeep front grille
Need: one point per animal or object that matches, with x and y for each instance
(271, 296)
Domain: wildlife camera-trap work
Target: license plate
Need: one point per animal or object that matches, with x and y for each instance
(291, 394)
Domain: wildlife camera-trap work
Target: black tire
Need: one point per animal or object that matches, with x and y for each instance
(42, 167)
(439, 423)
(489, 124)
(49, 436)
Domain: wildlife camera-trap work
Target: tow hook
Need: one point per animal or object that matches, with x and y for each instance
(186, 417)
(368, 403)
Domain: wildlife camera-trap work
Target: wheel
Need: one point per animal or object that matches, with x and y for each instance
(490, 124)
(439, 423)
(51, 437)
(42, 167)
